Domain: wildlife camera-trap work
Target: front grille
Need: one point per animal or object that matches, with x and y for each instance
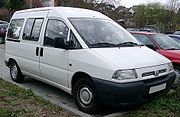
(153, 73)
(147, 74)
(162, 71)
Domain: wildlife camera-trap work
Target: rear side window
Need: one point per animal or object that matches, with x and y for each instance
(27, 30)
(36, 29)
(15, 28)
(32, 29)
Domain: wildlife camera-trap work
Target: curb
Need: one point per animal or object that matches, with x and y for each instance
(118, 114)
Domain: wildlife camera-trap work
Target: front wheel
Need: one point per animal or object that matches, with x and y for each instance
(177, 72)
(15, 73)
(85, 96)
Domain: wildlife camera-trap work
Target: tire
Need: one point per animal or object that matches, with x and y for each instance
(15, 73)
(177, 71)
(85, 96)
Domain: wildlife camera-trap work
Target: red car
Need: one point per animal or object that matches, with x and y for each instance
(163, 44)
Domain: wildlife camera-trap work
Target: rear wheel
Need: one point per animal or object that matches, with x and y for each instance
(15, 72)
(85, 96)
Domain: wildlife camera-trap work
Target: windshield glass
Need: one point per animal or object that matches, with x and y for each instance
(165, 42)
(176, 38)
(103, 33)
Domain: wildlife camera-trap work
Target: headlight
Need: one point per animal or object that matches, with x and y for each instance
(170, 66)
(124, 74)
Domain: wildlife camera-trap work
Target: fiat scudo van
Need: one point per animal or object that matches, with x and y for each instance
(86, 54)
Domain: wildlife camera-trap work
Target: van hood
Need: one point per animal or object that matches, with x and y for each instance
(131, 57)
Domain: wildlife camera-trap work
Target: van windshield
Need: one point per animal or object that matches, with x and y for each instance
(98, 33)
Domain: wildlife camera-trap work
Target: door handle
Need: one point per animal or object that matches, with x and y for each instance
(41, 52)
(37, 51)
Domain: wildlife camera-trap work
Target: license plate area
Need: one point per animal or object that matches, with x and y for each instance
(157, 88)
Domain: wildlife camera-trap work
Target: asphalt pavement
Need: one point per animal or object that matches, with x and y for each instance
(50, 93)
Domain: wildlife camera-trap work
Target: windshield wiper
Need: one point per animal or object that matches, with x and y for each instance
(128, 44)
(105, 44)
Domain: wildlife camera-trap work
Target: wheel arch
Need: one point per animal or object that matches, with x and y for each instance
(176, 65)
(79, 75)
(10, 61)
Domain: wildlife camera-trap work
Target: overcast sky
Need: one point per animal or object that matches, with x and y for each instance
(130, 3)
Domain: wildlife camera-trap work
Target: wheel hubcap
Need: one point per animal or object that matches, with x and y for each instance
(85, 96)
(14, 71)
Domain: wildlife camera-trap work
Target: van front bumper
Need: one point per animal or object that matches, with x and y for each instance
(117, 94)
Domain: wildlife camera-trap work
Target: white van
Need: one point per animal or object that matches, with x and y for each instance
(86, 54)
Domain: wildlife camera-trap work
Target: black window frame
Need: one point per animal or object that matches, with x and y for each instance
(31, 30)
(71, 32)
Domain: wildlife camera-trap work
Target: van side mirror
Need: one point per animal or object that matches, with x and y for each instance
(60, 43)
(151, 46)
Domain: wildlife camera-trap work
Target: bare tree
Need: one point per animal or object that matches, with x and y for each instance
(173, 5)
(116, 3)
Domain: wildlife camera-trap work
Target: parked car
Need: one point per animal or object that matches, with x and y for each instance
(3, 30)
(152, 30)
(175, 37)
(132, 29)
(3, 22)
(162, 44)
(86, 54)
(177, 32)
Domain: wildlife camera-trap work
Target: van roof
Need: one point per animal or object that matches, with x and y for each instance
(68, 12)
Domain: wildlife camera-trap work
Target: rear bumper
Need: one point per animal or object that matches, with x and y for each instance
(130, 93)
